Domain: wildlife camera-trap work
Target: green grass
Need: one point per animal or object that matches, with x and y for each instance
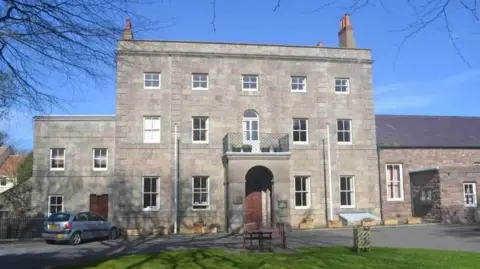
(318, 257)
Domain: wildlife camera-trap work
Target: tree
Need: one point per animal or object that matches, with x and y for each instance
(45, 40)
(25, 169)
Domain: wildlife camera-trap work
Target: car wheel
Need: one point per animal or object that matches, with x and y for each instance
(75, 239)
(112, 234)
(50, 242)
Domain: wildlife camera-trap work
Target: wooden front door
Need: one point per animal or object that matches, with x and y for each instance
(253, 207)
(99, 204)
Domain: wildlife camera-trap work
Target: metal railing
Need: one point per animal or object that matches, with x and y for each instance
(21, 227)
(266, 142)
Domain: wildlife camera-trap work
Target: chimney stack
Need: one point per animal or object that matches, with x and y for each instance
(345, 35)
(127, 32)
(320, 44)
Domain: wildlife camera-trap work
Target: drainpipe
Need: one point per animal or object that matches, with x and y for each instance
(325, 179)
(330, 199)
(380, 183)
(175, 180)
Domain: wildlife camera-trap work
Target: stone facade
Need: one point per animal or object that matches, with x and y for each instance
(224, 104)
(418, 159)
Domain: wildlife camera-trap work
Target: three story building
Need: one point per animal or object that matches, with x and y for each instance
(224, 133)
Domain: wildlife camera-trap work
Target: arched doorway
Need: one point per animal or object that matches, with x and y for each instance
(251, 129)
(258, 195)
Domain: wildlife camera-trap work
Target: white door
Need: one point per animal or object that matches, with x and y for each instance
(251, 133)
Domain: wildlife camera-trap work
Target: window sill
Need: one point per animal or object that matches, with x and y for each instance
(342, 93)
(396, 200)
(200, 142)
(199, 89)
(57, 169)
(300, 143)
(250, 90)
(293, 91)
(344, 143)
(150, 142)
(470, 206)
(151, 88)
(151, 210)
(100, 169)
(201, 209)
(302, 207)
(347, 206)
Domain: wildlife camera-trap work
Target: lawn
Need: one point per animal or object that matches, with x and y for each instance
(318, 257)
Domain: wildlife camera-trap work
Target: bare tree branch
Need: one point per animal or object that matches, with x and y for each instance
(44, 40)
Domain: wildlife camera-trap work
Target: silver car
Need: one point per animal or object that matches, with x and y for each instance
(74, 227)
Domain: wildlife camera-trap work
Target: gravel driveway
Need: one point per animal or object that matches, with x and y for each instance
(37, 254)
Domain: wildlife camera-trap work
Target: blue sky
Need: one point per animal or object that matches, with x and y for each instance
(428, 76)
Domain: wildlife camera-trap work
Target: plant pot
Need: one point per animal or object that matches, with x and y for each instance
(198, 227)
(236, 149)
(213, 230)
(368, 223)
(414, 220)
(276, 149)
(388, 222)
(247, 149)
(265, 149)
(306, 224)
(335, 224)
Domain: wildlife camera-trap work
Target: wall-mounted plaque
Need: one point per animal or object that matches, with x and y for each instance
(237, 200)
(282, 203)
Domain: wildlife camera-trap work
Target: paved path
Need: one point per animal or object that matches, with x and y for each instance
(37, 254)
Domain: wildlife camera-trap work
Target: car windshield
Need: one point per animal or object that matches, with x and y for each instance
(59, 217)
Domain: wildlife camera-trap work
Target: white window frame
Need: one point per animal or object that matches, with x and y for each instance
(199, 81)
(350, 131)
(205, 206)
(250, 81)
(100, 158)
(49, 204)
(152, 87)
(400, 182)
(157, 192)
(351, 180)
(340, 84)
(473, 194)
(300, 131)
(308, 196)
(207, 132)
(58, 158)
(304, 83)
(146, 129)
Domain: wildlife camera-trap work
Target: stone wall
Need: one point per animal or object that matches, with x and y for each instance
(418, 159)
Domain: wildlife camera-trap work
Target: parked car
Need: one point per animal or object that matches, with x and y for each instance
(74, 227)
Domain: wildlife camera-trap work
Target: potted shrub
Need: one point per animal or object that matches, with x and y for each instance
(368, 222)
(213, 229)
(265, 149)
(276, 149)
(247, 148)
(307, 223)
(198, 226)
(236, 148)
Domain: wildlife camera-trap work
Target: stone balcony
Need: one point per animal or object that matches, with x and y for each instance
(256, 143)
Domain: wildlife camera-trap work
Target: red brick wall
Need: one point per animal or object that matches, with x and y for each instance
(416, 159)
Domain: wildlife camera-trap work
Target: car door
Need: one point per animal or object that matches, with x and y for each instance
(99, 224)
(81, 223)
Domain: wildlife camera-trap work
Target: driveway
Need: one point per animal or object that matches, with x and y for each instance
(37, 254)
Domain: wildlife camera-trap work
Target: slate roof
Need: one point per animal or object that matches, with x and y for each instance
(427, 131)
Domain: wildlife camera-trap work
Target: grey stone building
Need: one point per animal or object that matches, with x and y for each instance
(429, 167)
(273, 133)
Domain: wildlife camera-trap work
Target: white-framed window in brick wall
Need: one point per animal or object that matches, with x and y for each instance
(55, 203)
(250, 82)
(200, 129)
(300, 131)
(201, 192)
(152, 80)
(342, 85)
(394, 178)
(347, 191)
(199, 81)
(100, 159)
(470, 194)
(151, 129)
(344, 131)
(57, 159)
(299, 84)
(302, 192)
(151, 193)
